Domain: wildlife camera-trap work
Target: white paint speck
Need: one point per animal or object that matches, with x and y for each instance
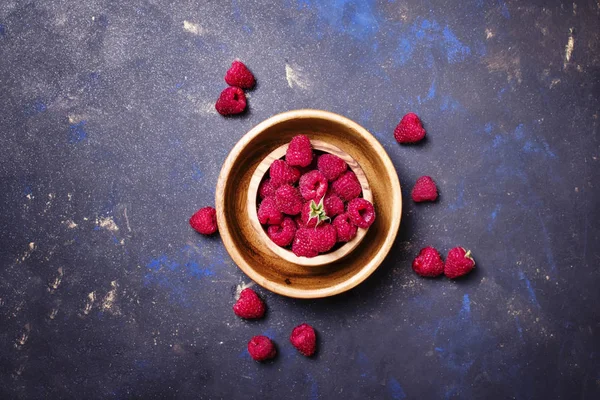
(488, 33)
(108, 303)
(56, 283)
(70, 224)
(20, 342)
(91, 297)
(554, 82)
(107, 223)
(295, 77)
(569, 48)
(192, 28)
(69, 196)
(31, 248)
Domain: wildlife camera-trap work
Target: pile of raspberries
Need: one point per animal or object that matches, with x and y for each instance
(312, 202)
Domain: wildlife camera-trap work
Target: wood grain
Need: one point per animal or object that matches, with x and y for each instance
(286, 254)
(248, 249)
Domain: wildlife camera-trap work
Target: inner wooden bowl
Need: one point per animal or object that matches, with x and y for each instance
(284, 253)
(248, 249)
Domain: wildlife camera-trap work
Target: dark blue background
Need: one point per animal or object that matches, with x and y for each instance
(110, 142)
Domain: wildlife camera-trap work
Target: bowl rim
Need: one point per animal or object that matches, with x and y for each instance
(322, 259)
(282, 288)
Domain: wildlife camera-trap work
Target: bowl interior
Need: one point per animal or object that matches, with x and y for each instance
(286, 254)
(248, 249)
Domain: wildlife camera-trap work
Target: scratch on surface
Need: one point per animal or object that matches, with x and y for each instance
(23, 338)
(554, 82)
(56, 283)
(90, 303)
(70, 224)
(192, 28)
(108, 303)
(27, 253)
(569, 48)
(295, 77)
(126, 219)
(53, 313)
(107, 223)
(574, 9)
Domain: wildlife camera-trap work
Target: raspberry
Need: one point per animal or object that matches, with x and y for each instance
(204, 221)
(346, 230)
(298, 220)
(424, 190)
(410, 129)
(299, 152)
(231, 101)
(333, 205)
(304, 339)
(428, 263)
(323, 238)
(288, 199)
(331, 166)
(266, 189)
(313, 214)
(283, 234)
(459, 262)
(313, 185)
(268, 213)
(280, 173)
(261, 348)
(249, 305)
(301, 246)
(361, 212)
(347, 186)
(239, 75)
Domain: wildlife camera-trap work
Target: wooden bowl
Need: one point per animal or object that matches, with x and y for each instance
(248, 249)
(284, 253)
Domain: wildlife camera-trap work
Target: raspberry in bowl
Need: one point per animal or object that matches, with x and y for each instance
(310, 202)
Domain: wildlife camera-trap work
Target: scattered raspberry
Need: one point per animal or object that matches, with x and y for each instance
(266, 189)
(410, 129)
(280, 173)
(346, 230)
(204, 221)
(347, 186)
(459, 262)
(361, 212)
(249, 305)
(282, 234)
(304, 339)
(268, 213)
(331, 166)
(299, 152)
(333, 205)
(428, 263)
(239, 75)
(261, 348)
(302, 246)
(323, 238)
(424, 190)
(313, 185)
(231, 101)
(288, 199)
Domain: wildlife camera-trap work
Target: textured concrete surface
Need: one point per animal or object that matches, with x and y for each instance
(110, 142)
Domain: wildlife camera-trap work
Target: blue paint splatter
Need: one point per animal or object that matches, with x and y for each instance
(448, 103)
(488, 128)
(36, 107)
(456, 51)
(396, 390)
(2, 30)
(529, 287)
(520, 131)
(460, 198)
(197, 173)
(404, 51)
(77, 132)
(27, 191)
(439, 349)
(547, 245)
(314, 387)
(498, 140)
(465, 310)
(504, 9)
(519, 329)
(493, 216)
(431, 92)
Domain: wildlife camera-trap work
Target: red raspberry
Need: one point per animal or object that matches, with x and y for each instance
(261, 348)
(280, 173)
(204, 221)
(231, 101)
(266, 189)
(459, 262)
(361, 212)
(304, 339)
(346, 230)
(268, 213)
(313, 214)
(298, 220)
(424, 190)
(333, 205)
(283, 234)
(347, 186)
(331, 166)
(323, 238)
(239, 75)
(410, 129)
(249, 305)
(299, 152)
(301, 246)
(428, 263)
(313, 186)
(288, 199)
